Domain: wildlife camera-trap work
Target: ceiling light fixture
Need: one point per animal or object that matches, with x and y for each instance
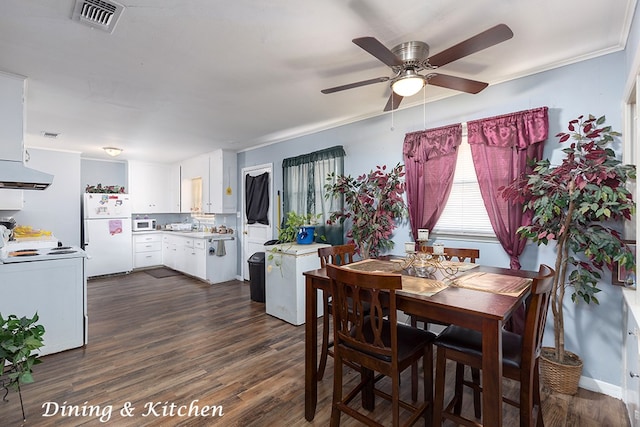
(112, 151)
(408, 83)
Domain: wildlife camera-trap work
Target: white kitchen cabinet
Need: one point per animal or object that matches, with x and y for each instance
(174, 188)
(194, 174)
(147, 250)
(170, 255)
(222, 182)
(208, 183)
(12, 106)
(195, 261)
(152, 188)
(631, 355)
(185, 254)
(11, 200)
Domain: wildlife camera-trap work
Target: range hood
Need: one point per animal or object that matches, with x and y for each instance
(15, 175)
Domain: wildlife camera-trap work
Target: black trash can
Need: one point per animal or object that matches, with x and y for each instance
(256, 276)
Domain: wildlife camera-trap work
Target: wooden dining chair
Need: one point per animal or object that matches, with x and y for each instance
(455, 254)
(376, 343)
(520, 355)
(451, 254)
(335, 255)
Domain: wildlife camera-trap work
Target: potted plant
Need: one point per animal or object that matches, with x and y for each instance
(373, 204)
(297, 228)
(578, 205)
(20, 338)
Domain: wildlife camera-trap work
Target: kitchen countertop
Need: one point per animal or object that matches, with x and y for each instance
(193, 234)
(200, 234)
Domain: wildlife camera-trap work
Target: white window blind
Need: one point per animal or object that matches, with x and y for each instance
(465, 213)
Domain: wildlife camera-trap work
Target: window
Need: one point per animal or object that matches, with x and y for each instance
(465, 213)
(304, 178)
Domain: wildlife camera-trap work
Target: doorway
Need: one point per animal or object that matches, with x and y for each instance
(255, 235)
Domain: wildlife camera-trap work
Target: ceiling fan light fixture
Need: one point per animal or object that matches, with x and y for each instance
(408, 83)
(112, 151)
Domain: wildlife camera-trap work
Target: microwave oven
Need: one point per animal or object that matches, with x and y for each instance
(146, 224)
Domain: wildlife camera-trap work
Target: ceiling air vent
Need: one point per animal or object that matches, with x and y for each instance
(99, 14)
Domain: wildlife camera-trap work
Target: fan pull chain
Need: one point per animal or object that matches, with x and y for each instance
(392, 110)
(424, 105)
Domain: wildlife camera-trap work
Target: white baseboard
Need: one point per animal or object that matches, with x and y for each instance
(600, 387)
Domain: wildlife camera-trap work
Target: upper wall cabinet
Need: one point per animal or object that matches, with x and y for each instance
(194, 183)
(223, 167)
(11, 132)
(152, 187)
(12, 112)
(208, 183)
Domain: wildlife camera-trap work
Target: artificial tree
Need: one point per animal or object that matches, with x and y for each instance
(373, 204)
(580, 204)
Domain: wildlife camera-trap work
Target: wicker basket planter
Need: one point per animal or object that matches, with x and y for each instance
(560, 378)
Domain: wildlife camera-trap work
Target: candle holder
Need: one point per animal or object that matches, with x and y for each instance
(425, 264)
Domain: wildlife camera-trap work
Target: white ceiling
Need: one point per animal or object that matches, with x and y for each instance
(180, 78)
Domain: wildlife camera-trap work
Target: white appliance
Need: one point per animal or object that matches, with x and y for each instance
(146, 224)
(45, 277)
(285, 283)
(107, 233)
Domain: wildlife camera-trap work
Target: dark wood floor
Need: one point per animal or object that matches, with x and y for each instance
(176, 341)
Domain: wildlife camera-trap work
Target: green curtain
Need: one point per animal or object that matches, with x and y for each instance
(304, 178)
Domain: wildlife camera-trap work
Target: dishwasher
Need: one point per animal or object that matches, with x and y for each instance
(221, 258)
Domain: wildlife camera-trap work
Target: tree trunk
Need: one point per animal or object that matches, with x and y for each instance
(559, 283)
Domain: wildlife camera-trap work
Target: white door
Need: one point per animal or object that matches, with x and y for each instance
(255, 235)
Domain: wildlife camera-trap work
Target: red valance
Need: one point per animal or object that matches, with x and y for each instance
(514, 130)
(431, 143)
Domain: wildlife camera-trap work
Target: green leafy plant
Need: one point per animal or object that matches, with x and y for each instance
(373, 204)
(293, 223)
(288, 234)
(19, 339)
(578, 204)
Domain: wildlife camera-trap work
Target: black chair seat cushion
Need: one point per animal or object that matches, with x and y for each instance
(470, 342)
(410, 339)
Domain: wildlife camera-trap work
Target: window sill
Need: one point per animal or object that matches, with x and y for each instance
(463, 237)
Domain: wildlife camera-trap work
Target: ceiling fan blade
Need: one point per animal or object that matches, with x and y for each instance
(481, 41)
(393, 102)
(457, 83)
(356, 84)
(377, 49)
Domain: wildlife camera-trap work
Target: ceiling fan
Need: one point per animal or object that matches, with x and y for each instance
(409, 58)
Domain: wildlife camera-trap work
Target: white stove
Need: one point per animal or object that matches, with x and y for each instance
(46, 250)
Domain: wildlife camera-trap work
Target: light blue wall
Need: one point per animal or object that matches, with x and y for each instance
(593, 86)
(57, 208)
(103, 172)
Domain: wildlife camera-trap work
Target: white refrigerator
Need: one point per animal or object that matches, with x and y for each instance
(107, 233)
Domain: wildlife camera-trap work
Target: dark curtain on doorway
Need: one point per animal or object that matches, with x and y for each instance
(257, 198)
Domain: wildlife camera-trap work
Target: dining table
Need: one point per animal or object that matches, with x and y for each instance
(474, 296)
